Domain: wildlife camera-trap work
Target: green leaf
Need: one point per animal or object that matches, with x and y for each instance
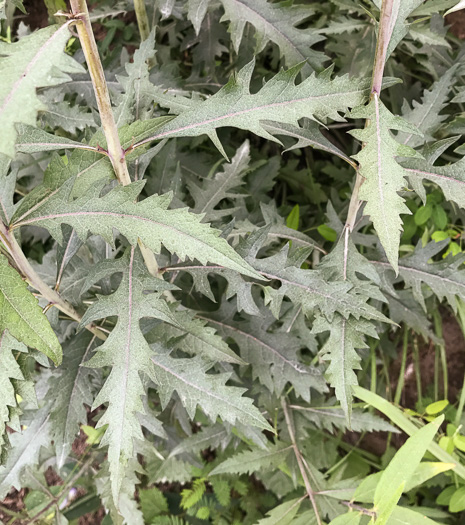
(384, 177)
(435, 408)
(282, 514)
(189, 378)
(425, 114)
(25, 448)
(150, 221)
(403, 515)
(69, 391)
(449, 178)
(457, 501)
(214, 190)
(400, 470)
(279, 100)
(22, 316)
(37, 60)
(128, 353)
(272, 354)
(153, 503)
(445, 278)
(293, 218)
(404, 423)
(276, 23)
(252, 461)
(460, 5)
(10, 375)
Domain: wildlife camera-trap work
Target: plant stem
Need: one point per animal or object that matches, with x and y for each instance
(89, 47)
(298, 456)
(401, 380)
(31, 276)
(384, 36)
(115, 152)
(142, 19)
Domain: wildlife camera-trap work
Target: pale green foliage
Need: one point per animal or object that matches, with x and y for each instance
(10, 376)
(227, 373)
(21, 315)
(129, 354)
(195, 387)
(179, 230)
(35, 61)
(280, 100)
(276, 23)
(254, 460)
(383, 176)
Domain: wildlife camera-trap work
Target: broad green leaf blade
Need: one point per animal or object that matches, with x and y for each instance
(252, 461)
(25, 448)
(150, 221)
(406, 515)
(37, 60)
(279, 100)
(128, 354)
(383, 176)
(189, 378)
(22, 316)
(400, 470)
(404, 423)
(69, 391)
(276, 23)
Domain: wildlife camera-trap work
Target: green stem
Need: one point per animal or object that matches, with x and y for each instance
(400, 381)
(416, 359)
(442, 352)
(115, 152)
(142, 19)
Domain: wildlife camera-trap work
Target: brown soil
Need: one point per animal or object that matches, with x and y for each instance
(457, 23)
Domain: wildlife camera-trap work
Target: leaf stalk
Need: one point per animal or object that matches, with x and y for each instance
(34, 280)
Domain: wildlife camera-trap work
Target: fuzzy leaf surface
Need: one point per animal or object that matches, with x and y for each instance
(383, 175)
(275, 23)
(150, 221)
(279, 100)
(36, 60)
(22, 316)
(189, 378)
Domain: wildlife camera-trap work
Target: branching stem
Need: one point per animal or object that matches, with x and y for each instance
(384, 36)
(298, 457)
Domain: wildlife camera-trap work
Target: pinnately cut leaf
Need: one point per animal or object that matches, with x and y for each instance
(383, 176)
(128, 353)
(36, 60)
(23, 317)
(279, 100)
(150, 220)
